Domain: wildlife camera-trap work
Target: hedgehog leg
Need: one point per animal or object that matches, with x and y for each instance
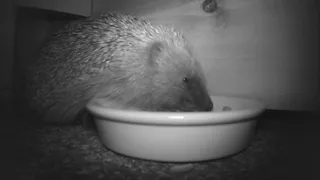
(86, 120)
(64, 113)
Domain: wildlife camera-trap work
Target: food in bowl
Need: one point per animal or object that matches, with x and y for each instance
(226, 108)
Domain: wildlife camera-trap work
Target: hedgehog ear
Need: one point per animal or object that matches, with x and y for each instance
(155, 50)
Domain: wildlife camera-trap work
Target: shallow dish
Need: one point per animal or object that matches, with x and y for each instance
(179, 136)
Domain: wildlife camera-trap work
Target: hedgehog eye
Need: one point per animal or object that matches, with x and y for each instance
(185, 80)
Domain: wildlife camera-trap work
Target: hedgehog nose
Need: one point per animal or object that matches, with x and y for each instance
(209, 105)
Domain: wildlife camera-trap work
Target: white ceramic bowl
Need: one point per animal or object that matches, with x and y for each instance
(179, 136)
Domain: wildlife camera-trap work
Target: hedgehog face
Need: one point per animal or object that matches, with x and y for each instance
(181, 90)
(194, 96)
(177, 81)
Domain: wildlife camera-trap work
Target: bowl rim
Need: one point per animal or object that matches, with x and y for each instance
(176, 118)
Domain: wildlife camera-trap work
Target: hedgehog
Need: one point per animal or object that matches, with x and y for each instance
(120, 60)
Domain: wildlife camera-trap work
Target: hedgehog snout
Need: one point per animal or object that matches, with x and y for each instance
(200, 104)
(208, 105)
(203, 101)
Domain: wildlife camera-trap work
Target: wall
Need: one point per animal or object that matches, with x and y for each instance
(80, 7)
(6, 48)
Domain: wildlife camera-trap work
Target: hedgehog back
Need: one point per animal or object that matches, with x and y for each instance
(107, 47)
